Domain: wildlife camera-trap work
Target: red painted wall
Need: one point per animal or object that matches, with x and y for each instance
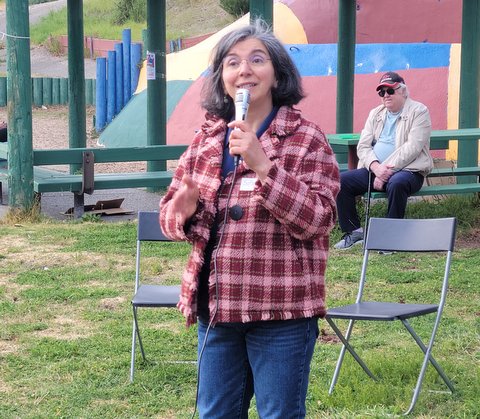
(429, 86)
(383, 21)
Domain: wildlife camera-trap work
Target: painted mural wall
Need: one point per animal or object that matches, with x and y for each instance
(417, 38)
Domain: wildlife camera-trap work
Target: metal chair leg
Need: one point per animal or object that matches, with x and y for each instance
(428, 357)
(135, 334)
(132, 360)
(138, 333)
(346, 346)
(367, 210)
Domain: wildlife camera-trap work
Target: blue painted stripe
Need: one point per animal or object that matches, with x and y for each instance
(321, 59)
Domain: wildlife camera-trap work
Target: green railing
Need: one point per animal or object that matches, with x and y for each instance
(48, 91)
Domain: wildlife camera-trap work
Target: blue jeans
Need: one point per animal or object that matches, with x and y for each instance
(270, 359)
(399, 187)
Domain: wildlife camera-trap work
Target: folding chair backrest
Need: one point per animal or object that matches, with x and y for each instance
(148, 230)
(409, 235)
(149, 227)
(412, 235)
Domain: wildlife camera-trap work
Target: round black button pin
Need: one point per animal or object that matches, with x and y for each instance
(236, 212)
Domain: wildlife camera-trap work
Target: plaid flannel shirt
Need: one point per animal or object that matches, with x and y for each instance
(270, 263)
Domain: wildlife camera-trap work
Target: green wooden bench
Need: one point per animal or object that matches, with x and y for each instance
(86, 181)
(345, 146)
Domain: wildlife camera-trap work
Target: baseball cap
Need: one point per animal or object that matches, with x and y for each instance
(390, 79)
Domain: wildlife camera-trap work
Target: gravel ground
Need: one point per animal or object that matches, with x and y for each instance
(50, 131)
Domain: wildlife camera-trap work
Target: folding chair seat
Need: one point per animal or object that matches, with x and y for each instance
(399, 235)
(148, 295)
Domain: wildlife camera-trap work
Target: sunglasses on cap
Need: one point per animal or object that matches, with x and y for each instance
(390, 91)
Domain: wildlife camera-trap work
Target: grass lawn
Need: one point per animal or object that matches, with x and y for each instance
(65, 290)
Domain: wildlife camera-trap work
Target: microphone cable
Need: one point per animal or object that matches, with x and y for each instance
(215, 252)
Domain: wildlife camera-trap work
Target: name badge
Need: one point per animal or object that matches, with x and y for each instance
(248, 184)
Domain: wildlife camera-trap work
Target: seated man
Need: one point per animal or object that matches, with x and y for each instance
(394, 147)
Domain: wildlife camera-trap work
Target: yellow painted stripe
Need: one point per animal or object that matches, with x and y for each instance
(454, 99)
(287, 27)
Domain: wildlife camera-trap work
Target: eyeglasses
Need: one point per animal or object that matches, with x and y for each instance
(390, 91)
(233, 63)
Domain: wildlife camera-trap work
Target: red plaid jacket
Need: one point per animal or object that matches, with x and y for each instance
(271, 263)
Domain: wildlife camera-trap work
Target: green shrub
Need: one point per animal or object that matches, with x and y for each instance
(236, 8)
(53, 45)
(135, 10)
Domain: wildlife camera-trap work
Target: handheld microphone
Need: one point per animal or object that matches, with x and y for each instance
(242, 101)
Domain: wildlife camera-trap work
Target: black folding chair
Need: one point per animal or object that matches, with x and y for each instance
(149, 295)
(399, 235)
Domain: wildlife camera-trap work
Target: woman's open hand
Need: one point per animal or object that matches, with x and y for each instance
(184, 203)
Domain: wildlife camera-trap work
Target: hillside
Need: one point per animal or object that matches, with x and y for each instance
(195, 17)
(184, 19)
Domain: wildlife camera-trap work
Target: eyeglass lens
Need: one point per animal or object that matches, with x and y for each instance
(256, 60)
(390, 91)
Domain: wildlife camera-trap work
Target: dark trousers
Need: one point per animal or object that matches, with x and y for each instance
(399, 187)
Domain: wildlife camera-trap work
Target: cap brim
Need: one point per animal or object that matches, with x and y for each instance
(387, 85)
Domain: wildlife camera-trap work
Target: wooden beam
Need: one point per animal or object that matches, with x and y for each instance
(19, 106)
(76, 76)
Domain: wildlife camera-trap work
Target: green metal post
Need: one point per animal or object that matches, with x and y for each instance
(157, 83)
(469, 83)
(76, 75)
(19, 106)
(261, 9)
(346, 65)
